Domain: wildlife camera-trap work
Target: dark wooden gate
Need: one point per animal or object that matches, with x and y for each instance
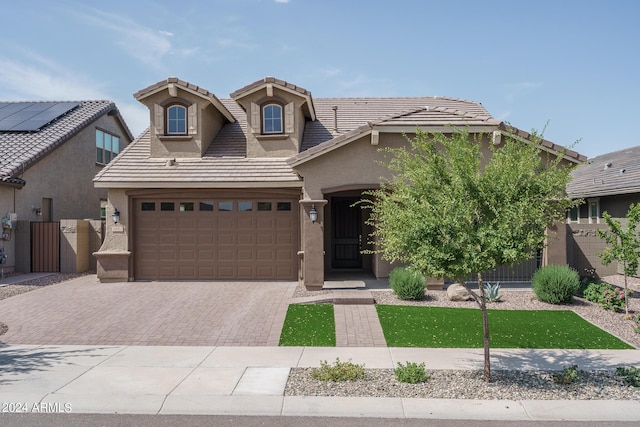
(45, 247)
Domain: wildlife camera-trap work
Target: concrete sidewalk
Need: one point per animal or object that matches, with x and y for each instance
(251, 381)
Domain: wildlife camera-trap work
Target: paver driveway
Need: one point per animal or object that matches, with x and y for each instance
(85, 312)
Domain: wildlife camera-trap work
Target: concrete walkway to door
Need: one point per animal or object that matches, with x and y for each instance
(83, 311)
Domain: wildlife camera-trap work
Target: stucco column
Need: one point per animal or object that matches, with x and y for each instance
(312, 244)
(555, 251)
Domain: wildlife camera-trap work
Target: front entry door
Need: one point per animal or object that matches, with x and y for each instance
(346, 236)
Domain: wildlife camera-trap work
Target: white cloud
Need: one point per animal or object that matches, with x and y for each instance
(166, 33)
(37, 78)
(44, 79)
(282, 1)
(138, 41)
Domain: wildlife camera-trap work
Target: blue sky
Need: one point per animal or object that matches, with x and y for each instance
(570, 66)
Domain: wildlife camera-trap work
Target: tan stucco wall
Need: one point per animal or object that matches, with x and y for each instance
(64, 176)
(273, 146)
(210, 121)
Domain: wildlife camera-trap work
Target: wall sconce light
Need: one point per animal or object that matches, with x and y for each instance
(115, 216)
(313, 214)
(37, 210)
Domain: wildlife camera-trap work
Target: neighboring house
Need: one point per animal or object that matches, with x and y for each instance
(49, 154)
(262, 185)
(607, 183)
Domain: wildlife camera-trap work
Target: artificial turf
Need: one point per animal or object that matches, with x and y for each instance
(311, 325)
(410, 326)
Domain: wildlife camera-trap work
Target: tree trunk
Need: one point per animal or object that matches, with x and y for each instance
(626, 299)
(485, 327)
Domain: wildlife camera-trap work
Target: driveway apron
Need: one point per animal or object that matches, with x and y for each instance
(84, 311)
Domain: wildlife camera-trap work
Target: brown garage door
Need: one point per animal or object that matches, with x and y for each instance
(215, 239)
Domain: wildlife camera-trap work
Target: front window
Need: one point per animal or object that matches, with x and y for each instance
(272, 118)
(107, 146)
(574, 214)
(176, 120)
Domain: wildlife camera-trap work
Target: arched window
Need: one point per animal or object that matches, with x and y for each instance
(176, 120)
(272, 118)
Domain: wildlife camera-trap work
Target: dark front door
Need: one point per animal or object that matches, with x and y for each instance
(346, 236)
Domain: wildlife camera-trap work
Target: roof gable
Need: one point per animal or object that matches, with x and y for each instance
(173, 83)
(19, 150)
(269, 83)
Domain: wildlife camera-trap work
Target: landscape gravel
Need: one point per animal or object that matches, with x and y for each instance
(469, 384)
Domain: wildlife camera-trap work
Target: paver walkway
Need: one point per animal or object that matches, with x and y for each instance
(358, 325)
(84, 311)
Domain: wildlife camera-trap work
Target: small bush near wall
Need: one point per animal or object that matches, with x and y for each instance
(555, 284)
(407, 284)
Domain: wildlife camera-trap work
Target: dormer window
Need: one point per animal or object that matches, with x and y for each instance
(176, 120)
(272, 119)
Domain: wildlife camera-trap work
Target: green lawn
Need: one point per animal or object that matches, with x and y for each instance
(410, 326)
(309, 325)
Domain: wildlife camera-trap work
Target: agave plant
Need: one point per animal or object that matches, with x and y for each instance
(491, 292)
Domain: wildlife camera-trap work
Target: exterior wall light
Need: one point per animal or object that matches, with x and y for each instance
(115, 216)
(313, 214)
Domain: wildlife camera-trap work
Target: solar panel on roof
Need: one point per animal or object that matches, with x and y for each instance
(31, 116)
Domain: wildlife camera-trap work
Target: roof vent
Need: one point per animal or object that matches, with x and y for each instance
(335, 118)
(622, 171)
(426, 107)
(607, 165)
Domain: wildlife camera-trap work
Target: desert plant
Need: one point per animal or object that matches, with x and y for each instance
(568, 375)
(339, 371)
(411, 373)
(491, 292)
(555, 284)
(631, 375)
(407, 284)
(606, 295)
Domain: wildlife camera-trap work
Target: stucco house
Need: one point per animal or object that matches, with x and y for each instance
(49, 154)
(260, 186)
(606, 183)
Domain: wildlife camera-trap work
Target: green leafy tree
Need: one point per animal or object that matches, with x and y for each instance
(454, 209)
(625, 245)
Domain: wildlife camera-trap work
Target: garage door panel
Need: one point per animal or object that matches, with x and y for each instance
(226, 239)
(284, 239)
(245, 255)
(265, 255)
(245, 239)
(214, 244)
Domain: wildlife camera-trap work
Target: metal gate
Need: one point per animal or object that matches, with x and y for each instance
(45, 247)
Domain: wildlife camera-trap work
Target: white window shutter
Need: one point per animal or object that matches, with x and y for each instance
(192, 119)
(255, 118)
(288, 118)
(158, 118)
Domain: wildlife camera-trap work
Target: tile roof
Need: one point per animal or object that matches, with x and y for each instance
(20, 150)
(225, 159)
(248, 88)
(609, 174)
(134, 168)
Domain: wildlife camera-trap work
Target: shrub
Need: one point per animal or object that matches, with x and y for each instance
(340, 371)
(555, 284)
(630, 374)
(568, 375)
(411, 373)
(606, 295)
(407, 284)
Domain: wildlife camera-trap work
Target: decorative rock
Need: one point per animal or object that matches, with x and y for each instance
(457, 292)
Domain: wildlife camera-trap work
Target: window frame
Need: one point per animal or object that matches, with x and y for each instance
(168, 119)
(101, 149)
(591, 203)
(263, 110)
